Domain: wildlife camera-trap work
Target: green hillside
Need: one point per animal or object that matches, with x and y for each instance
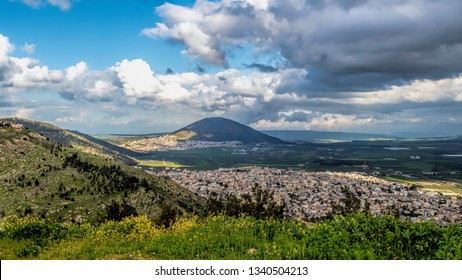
(42, 178)
(78, 140)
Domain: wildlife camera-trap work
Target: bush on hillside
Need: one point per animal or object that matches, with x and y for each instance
(117, 211)
(260, 204)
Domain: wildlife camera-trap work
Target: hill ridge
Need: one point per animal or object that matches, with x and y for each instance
(79, 140)
(318, 135)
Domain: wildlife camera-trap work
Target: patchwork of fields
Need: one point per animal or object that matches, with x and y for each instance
(414, 158)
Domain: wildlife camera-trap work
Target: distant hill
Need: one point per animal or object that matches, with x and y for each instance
(212, 130)
(40, 177)
(323, 136)
(426, 134)
(220, 129)
(78, 140)
(108, 145)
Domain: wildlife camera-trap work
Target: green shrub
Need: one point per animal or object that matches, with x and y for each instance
(355, 236)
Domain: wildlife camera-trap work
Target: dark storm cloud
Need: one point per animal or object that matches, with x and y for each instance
(373, 47)
(262, 67)
(269, 110)
(345, 45)
(3, 71)
(82, 95)
(7, 68)
(69, 95)
(199, 69)
(297, 117)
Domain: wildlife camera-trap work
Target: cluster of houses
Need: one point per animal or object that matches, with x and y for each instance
(171, 143)
(192, 144)
(310, 195)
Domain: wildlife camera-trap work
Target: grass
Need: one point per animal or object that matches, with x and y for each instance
(10, 247)
(160, 163)
(417, 165)
(444, 187)
(398, 180)
(218, 237)
(185, 135)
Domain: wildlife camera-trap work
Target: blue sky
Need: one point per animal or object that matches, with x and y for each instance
(100, 32)
(104, 66)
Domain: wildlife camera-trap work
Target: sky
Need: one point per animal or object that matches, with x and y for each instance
(142, 66)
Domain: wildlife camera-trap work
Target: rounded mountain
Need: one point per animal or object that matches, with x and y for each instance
(218, 129)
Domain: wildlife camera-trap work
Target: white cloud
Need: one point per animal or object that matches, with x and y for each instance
(137, 78)
(134, 79)
(24, 113)
(19, 74)
(63, 5)
(420, 91)
(257, 84)
(199, 44)
(28, 74)
(185, 79)
(339, 122)
(207, 27)
(260, 4)
(5, 49)
(31, 3)
(174, 92)
(139, 82)
(265, 99)
(76, 71)
(81, 117)
(328, 122)
(101, 89)
(347, 45)
(28, 48)
(81, 83)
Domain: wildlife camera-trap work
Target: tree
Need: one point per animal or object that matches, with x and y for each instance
(117, 211)
(214, 204)
(167, 215)
(393, 211)
(259, 203)
(27, 211)
(348, 204)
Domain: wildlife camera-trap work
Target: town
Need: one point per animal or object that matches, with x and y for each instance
(309, 195)
(170, 143)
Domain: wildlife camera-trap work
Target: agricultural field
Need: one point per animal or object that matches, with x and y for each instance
(412, 162)
(369, 156)
(159, 164)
